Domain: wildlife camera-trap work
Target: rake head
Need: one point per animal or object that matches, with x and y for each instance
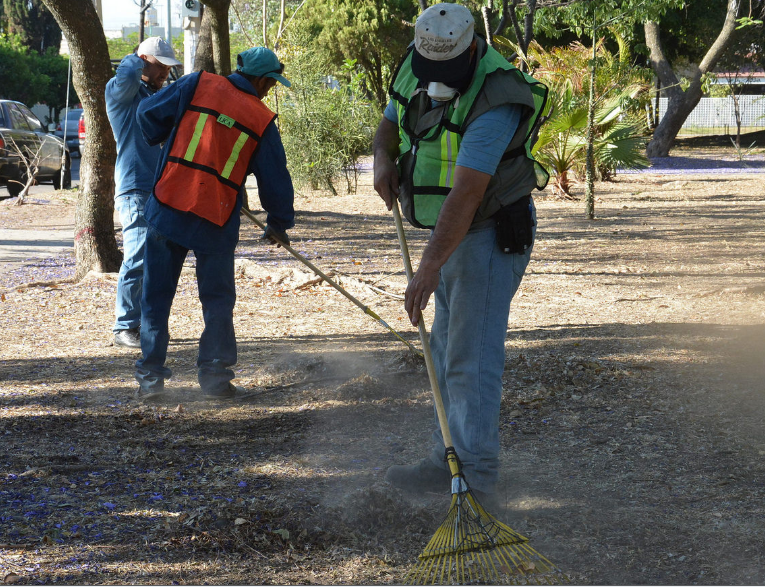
(473, 547)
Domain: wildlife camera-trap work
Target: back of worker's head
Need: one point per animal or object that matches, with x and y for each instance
(261, 62)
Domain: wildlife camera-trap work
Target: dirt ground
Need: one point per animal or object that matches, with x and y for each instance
(632, 418)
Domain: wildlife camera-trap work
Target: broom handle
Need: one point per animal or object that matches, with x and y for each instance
(367, 310)
(442, 421)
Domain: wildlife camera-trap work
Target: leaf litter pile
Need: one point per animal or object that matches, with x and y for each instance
(631, 423)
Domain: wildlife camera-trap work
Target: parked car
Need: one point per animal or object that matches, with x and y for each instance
(71, 120)
(23, 136)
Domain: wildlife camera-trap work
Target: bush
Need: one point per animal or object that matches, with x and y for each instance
(326, 124)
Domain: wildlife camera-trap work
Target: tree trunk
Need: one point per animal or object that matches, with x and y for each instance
(203, 58)
(217, 12)
(681, 103)
(95, 245)
(589, 188)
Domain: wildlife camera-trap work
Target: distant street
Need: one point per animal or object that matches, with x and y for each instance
(20, 246)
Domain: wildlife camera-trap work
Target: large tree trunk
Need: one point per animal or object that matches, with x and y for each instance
(203, 58)
(95, 245)
(682, 103)
(217, 12)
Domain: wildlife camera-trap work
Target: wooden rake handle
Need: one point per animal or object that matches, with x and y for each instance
(439, 402)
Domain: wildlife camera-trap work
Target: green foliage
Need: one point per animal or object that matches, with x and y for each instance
(620, 124)
(32, 78)
(373, 32)
(619, 22)
(326, 124)
(118, 48)
(33, 23)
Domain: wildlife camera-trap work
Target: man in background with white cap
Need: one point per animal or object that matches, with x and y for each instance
(452, 147)
(138, 76)
(216, 131)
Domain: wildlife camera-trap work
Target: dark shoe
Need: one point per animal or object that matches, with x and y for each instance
(423, 477)
(150, 394)
(129, 338)
(488, 501)
(231, 391)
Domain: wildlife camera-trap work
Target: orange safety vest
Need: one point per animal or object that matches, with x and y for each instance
(208, 162)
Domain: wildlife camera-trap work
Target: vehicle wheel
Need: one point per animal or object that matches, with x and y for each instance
(67, 178)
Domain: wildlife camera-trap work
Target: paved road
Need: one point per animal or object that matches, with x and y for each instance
(19, 247)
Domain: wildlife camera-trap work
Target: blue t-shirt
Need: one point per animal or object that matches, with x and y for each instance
(136, 160)
(485, 139)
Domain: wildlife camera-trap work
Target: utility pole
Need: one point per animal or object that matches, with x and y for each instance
(142, 21)
(169, 31)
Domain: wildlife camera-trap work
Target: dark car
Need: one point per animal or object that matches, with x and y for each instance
(23, 137)
(71, 121)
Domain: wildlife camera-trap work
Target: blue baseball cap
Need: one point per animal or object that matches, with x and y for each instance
(261, 62)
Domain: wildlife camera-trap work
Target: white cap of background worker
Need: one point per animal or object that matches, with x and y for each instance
(158, 48)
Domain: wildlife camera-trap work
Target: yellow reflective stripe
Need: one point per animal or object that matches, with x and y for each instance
(234, 155)
(194, 142)
(448, 148)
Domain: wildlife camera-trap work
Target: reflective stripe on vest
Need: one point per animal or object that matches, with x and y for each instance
(210, 156)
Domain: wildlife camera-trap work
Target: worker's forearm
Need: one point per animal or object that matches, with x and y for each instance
(455, 217)
(386, 140)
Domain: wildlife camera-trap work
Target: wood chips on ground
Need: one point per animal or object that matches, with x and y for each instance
(631, 424)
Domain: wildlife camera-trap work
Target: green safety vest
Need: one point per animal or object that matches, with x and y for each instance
(430, 137)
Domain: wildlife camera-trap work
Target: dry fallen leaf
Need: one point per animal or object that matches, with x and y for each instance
(11, 578)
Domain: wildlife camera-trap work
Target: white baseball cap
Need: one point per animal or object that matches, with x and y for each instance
(159, 49)
(442, 36)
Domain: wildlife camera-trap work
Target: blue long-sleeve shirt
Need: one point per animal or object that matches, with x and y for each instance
(136, 159)
(158, 118)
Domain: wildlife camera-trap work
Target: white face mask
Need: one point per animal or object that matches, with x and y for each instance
(441, 92)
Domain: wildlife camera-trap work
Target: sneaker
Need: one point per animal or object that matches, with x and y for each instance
(129, 338)
(231, 391)
(424, 477)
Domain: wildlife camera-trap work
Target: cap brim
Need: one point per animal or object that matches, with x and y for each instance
(169, 61)
(450, 70)
(280, 78)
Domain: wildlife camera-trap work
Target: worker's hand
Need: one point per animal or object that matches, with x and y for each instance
(276, 237)
(418, 292)
(386, 180)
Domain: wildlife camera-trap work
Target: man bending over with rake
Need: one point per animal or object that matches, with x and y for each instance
(454, 148)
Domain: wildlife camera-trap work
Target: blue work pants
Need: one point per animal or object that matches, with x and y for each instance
(127, 310)
(217, 293)
(472, 300)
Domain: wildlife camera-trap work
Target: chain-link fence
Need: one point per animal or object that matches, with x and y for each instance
(718, 115)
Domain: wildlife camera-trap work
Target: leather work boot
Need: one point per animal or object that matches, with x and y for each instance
(129, 338)
(423, 477)
(489, 501)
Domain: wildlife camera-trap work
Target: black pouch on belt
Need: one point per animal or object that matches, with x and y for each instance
(515, 224)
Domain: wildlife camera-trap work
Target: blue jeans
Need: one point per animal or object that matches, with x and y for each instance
(127, 309)
(217, 292)
(468, 344)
